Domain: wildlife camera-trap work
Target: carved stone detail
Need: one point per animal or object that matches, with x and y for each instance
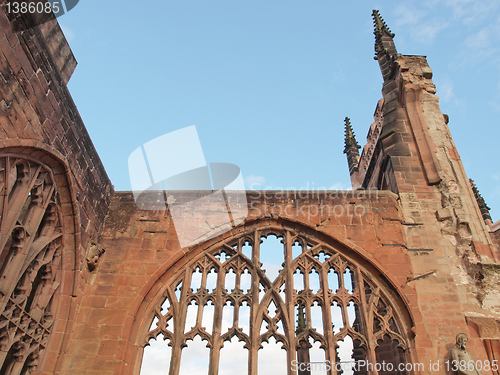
(462, 362)
(93, 254)
(365, 310)
(30, 252)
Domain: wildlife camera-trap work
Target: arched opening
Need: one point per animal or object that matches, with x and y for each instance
(33, 243)
(322, 305)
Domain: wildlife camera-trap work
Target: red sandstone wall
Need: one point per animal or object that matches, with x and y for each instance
(141, 245)
(402, 236)
(438, 210)
(495, 236)
(38, 118)
(37, 113)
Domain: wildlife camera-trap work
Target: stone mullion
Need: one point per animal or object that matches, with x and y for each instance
(5, 230)
(327, 318)
(3, 354)
(47, 290)
(254, 330)
(37, 213)
(343, 305)
(366, 311)
(37, 265)
(13, 264)
(44, 236)
(203, 285)
(204, 273)
(36, 247)
(11, 214)
(341, 277)
(290, 305)
(17, 268)
(17, 367)
(56, 255)
(199, 313)
(236, 310)
(179, 324)
(4, 199)
(373, 343)
(213, 368)
(201, 301)
(237, 281)
(307, 298)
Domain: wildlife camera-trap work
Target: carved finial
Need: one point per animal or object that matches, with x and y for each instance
(383, 36)
(301, 321)
(380, 24)
(350, 138)
(485, 210)
(351, 148)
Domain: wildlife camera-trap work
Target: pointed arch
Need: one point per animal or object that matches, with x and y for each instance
(38, 260)
(370, 282)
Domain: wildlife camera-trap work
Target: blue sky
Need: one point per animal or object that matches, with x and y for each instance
(268, 83)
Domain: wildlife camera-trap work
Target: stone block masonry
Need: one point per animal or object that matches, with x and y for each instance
(84, 272)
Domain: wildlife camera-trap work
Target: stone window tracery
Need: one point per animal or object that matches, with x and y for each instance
(30, 245)
(319, 298)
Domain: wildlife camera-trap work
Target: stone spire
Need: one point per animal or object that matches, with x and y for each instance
(485, 210)
(351, 147)
(385, 49)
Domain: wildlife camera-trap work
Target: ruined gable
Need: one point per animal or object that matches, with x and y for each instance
(402, 263)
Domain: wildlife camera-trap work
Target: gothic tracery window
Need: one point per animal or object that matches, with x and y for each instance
(30, 245)
(300, 293)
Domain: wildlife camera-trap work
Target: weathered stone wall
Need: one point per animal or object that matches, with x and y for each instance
(433, 187)
(142, 249)
(428, 241)
(495, 235)
(442, 221)
(38, 116)
(141, 246)
(39, 120)
(441, 216)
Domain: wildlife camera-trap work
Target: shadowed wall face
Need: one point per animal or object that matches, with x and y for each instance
(54, 195)
(31, 240)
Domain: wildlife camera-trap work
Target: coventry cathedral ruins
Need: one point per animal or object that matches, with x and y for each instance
(408, 276)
